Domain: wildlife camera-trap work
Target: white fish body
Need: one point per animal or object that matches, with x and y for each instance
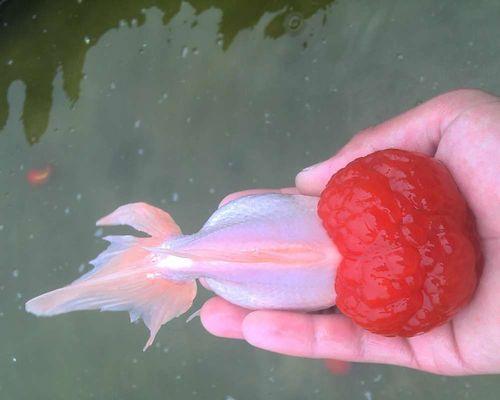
(265, 251)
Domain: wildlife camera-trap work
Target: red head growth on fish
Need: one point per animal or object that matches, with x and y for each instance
(410, 251)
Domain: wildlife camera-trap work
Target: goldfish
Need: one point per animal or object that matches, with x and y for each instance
(39, 177)
(264, 251)
(338, 367)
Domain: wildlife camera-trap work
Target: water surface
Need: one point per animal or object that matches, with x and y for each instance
(177, 104)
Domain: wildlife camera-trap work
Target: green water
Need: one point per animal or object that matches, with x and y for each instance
(177, 104)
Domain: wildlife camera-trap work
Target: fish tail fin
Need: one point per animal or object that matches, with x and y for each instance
(125, 277)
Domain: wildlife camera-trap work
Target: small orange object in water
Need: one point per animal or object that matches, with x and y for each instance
(338, 367)
(38, 177)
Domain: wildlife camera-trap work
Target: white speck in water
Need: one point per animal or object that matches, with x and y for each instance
(399, 56)
(14, 359)
(98, 232)
(175, 197)
(378, 378)
(163, 97)
(191, 180)
(188, 120)
(368, 395)
(196, 51)
(271, 379)
(220, 42)
(166, 349)
(306, 78)
(228, 397)
(78, 196)
(471, 43)
(137, 124)
(67, 211)
(211, 190)
(112, 86)
(15, 273)
(184, 52)
(19, 296)
(134, 360)
(10, 62)
(34, 16)
(230, 164)
(140, 151)
(307, 106)
(86, 39)
(122, 23)
(81, 268)
(134, 22)
(421, 79)
(31, 236)
(266, 118)
(178, 378)
(1, 227)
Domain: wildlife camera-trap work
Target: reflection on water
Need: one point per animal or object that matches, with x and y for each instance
(59, 33)
(177, 104)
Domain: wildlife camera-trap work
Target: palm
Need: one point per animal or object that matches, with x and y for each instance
(470, 146)
(462, 129)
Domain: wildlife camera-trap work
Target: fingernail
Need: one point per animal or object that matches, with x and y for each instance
(311, 167)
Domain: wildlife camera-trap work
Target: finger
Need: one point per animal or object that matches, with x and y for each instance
(418, 129)
(323, 336)
(223, 319)
(237, 195)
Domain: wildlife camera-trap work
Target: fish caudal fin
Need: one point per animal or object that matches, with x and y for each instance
(125, 277)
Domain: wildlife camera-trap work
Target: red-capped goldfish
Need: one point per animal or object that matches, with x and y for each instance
(267, 251)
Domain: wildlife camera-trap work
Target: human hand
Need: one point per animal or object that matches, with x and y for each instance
(461, 129)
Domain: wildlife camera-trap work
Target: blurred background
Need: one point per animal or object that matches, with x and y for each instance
(178, 103)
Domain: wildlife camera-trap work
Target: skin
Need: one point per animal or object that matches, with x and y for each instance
(462, 129)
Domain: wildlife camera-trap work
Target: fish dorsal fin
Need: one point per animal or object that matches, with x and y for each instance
(143, 217)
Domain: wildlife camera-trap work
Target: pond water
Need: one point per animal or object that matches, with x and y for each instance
(178, 103)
